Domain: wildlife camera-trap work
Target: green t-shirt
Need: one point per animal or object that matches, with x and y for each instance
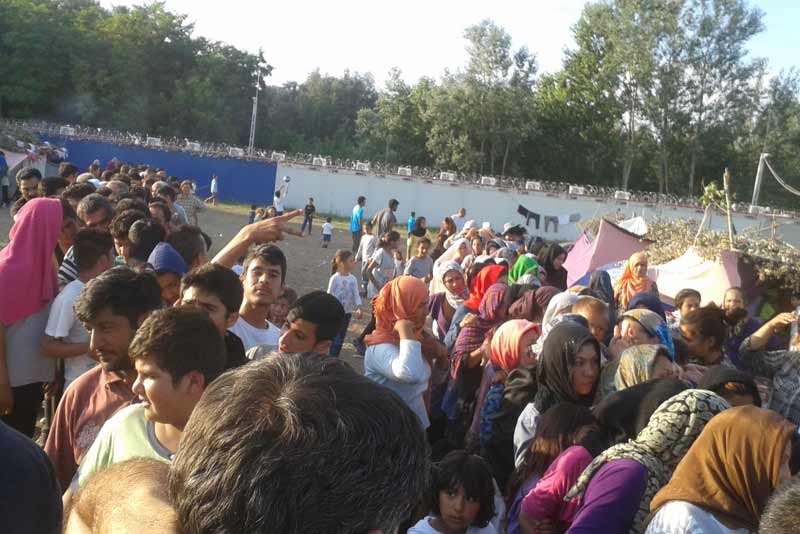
(128, 434)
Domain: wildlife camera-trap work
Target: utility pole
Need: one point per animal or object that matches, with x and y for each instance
(759, 178)
(255, 113)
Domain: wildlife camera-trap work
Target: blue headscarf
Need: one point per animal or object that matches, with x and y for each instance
(649, 301)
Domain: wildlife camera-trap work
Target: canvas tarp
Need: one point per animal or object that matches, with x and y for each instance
(611, 244)
(636, 225)
(710, 277)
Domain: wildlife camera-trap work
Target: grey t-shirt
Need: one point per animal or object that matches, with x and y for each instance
(24, 359)
(419, 267)
(383, 220)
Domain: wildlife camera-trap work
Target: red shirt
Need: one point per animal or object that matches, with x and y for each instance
(87, 403)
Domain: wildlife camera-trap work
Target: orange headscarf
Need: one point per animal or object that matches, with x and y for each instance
(486, 278)
(629, 284)
(400, 299)
(733, 467)
(505, 342)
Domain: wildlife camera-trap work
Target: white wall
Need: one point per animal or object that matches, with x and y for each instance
(336, 193)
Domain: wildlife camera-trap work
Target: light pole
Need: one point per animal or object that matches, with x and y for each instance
(255, 112)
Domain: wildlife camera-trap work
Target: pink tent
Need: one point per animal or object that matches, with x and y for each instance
(691, 271)
(13, 159)
(611, 244)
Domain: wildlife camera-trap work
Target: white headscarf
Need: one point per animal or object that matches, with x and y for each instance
(557, 304)
(450, 255)
(439, 273)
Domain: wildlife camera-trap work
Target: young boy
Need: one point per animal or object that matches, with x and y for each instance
(327, 232)
(280, 309)
(263, 276)
(177, 352)
(366, 248)
(421, 265)
(311, 325)
(218, 291)
(65, 336)
(169, 268)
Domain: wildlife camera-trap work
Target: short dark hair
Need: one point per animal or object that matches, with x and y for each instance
(219, 281)
(50, 185)
(122, 222)
(26, 173)
(94, 203)
(89, 245)
(166, 190)
(393, 203)
(298, 439)
(129, 203)
(165, 210)
(320, 308)
(78, 191)
(143, 237)
(122, 290)
(94, 167)
(180, 340)
(782, 513)
(188, 241)
(424, 241)
(684, 294)
(268, 253)
(362, 199)
(470, 472)
(66, 169)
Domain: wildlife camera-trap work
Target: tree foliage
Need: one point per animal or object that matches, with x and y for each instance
(655, 94)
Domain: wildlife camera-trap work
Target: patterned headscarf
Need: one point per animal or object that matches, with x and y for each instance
(524, 265)
(637, 363)
(654, 325)
(491, 312)
(672, 430)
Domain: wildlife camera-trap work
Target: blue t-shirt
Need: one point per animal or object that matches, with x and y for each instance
(355, 220)
(411, 221)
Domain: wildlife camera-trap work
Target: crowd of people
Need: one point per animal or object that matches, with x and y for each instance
(185, 393)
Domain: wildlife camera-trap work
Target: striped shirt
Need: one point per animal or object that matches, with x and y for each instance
(191, 205)
(783, 367)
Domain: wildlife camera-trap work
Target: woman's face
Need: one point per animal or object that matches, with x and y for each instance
(526, 355)
(664, 368)
(559, 261)
(463, 250)
(454, 282)
(477, 247)
(635, 334)
(699, 347)
(690, 303)
(393, 245)
(639, 267)
(585, 370)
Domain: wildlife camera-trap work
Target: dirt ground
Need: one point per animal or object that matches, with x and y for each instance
(308, 263)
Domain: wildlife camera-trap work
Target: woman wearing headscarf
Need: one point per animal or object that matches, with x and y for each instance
(467, 354)
(641, 363)
(29, 280)
(394, 349)
(601, 286)
(456, 252)
(644, 327)
(510, 348)
(525, 307)
(619, 418)
(733, 385)
(722, 484)
(559, 304)
(487, 276)
(618, 486)
(634, 280)
(552, 259)
(566, 371)
(526, 264)
(443, 305)
(417, 233)
(648, 301)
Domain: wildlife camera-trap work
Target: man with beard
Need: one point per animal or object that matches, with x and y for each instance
(741, 325)
(112, 306)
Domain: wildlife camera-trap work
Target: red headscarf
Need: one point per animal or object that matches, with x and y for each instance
(505, 343)
(485, 279)
(400, 299)
(28, 275)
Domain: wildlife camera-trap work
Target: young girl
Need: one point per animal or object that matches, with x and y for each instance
(462, 498)
(344, 286)
(382, 268)
(366, 248)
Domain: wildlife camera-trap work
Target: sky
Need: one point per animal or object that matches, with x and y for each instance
(422, 38)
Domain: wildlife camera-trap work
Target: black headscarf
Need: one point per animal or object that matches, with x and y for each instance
(555, 277)
(418, 229)
(555, 365)
(715, 378)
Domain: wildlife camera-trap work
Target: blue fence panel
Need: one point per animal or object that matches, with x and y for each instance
(249, 182)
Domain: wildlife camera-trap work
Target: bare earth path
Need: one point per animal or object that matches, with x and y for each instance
(308, 262)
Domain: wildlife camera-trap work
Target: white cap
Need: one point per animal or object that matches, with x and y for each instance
(486, 225)
(506, 226)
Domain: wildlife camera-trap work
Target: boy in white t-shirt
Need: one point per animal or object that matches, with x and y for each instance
(263, 279)
(65, 336)
(327, 232)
